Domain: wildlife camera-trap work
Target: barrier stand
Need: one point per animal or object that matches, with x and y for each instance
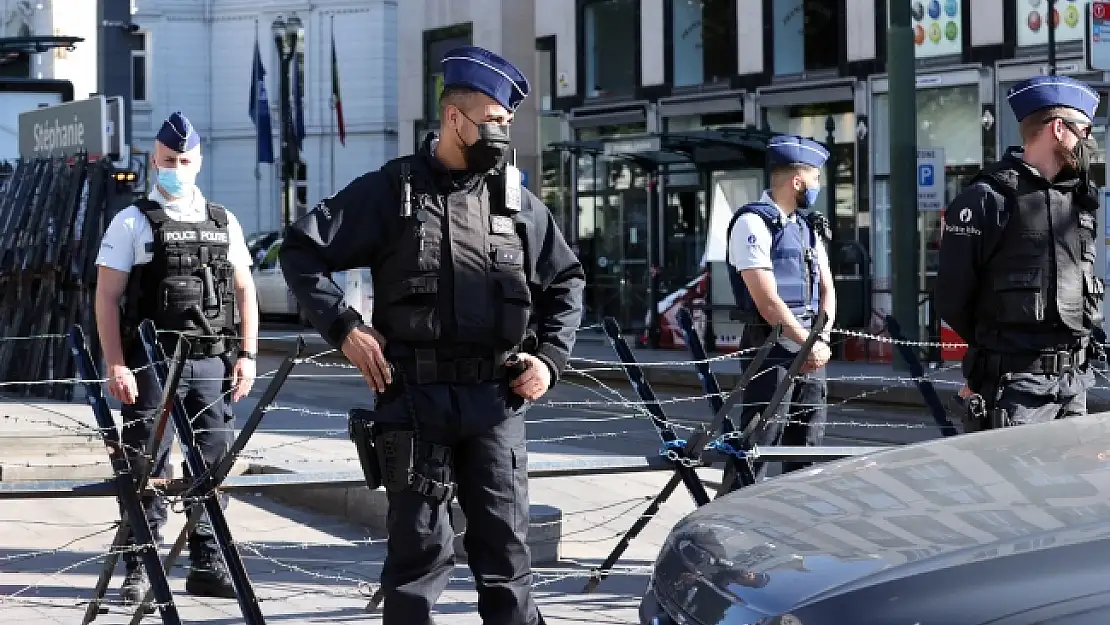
(917, 370)
(736, 467)
(203, 479)
(683, 456)
(142, 468)
(126, 483)
(220, 472)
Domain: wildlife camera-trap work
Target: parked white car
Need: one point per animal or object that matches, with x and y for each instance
(275, 299)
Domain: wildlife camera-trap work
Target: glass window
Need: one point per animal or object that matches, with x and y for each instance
(947, 117)
(807, 36)
(545, 62)
(139, 70)
(612, 37)
(436, 44)
(702, 49)
(1032, 27)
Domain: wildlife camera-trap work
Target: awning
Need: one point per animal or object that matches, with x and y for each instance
(734, 147)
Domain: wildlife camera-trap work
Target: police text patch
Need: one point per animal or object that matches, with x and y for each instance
(499, 224)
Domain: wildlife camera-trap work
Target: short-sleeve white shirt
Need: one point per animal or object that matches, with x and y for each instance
(749, 246)
(128, 240)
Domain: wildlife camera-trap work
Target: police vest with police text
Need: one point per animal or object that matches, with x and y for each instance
(1040, 274)
(189, 267)
(793, 262)
(492, 300)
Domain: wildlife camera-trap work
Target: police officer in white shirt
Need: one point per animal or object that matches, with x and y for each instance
(780, 274)
(169, 258)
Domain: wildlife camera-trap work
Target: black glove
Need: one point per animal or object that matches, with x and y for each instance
(819, 224)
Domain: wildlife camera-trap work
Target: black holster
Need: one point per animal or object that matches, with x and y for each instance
(975, 419)
(360, 428)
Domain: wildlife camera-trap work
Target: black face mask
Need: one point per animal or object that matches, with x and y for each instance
(1083, 151)
(489, 151)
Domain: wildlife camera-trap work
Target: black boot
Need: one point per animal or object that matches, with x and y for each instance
(135, 583)
(207, 574)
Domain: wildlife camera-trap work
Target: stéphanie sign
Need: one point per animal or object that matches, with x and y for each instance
(65, 129)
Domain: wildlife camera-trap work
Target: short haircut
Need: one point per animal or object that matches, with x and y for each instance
(782, 173)
(1032, 125)
(458, 97)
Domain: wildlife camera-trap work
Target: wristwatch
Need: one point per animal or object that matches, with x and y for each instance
(245, 354)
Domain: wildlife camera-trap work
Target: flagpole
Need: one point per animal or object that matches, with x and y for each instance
(257, 169)
(332, 122)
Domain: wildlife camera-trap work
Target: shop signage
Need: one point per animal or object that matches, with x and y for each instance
(1033, 22)
(930, 179)
(1098, 37)
(937, 26)
(633, 146)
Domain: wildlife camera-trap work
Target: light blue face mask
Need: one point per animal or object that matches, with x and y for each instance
(811, 196)
(175, 181)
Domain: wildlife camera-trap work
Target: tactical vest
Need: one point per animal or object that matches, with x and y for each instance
(1039, 277)
(189, 268)
(491, 300)
(793, 261)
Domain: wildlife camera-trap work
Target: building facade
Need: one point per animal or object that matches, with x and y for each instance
(198, 59)
(635, 80)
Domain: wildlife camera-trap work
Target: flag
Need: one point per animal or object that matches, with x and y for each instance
(260, 109)
(336, 101)
(297, 89)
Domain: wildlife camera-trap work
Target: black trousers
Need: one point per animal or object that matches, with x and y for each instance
(1036, 398)
(202, 391)
(801, 417)
(484, 426)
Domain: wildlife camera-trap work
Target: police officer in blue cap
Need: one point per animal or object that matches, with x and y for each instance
(168, 258)
(780, 275)
(477, 301)
(1017, 264)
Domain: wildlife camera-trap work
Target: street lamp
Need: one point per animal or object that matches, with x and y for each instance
(287, 37)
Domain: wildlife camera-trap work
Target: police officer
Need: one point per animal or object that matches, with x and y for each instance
(465, 262)
(1017, 264)
(169, 258)
(780, 274)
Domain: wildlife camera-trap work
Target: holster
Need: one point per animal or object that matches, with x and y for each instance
(975, 419)
(360, 428)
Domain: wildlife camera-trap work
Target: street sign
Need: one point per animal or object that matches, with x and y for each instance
(65, 129)
(930, 179)
(1097, 39)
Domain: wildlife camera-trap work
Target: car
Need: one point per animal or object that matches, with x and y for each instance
(275, 299)
(1007, 527)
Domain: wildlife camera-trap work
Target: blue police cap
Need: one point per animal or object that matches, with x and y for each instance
(1034, 94)
(178, 134)
(479, 69)
(793, 150)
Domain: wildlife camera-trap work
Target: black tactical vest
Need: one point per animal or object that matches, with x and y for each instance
(1039, 277)
(490, 299)
(189, 268)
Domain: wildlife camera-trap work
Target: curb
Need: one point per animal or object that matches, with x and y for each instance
(365, 507)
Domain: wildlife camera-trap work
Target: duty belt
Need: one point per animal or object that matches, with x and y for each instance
(433, 365)
(1045, 363)
(200, 347)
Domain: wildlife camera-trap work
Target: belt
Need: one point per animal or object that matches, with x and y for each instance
(449, 365)
(199, 348)
(1045, 363)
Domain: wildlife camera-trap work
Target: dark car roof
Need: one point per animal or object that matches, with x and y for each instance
(919, 525)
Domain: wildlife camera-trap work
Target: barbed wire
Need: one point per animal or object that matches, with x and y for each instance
(601, 415)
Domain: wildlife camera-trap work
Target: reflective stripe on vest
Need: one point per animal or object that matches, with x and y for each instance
(793, 262)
